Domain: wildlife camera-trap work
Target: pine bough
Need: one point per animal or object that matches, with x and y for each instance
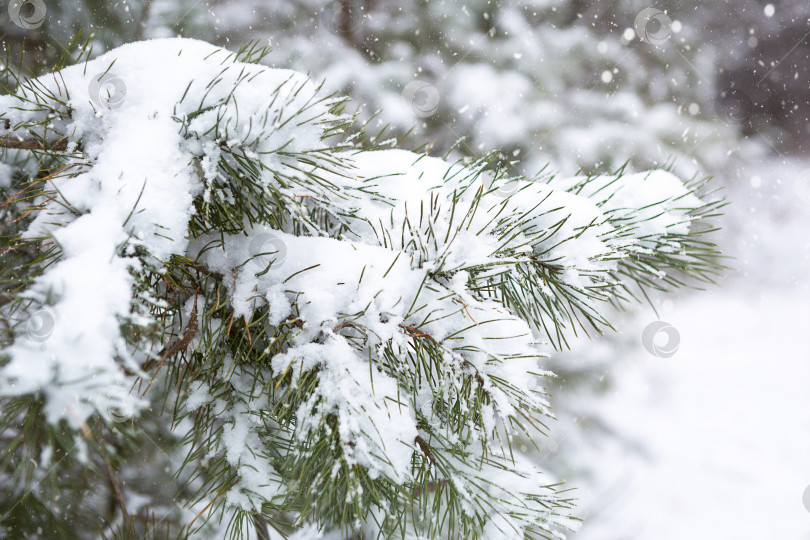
(206, 255)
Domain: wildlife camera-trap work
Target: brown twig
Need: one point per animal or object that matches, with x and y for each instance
(425, 450)
(415, 331)
(176, 347)
(33, 144)
(262, 529)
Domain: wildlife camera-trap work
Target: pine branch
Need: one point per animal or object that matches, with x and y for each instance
(367, 326)
(59, 145)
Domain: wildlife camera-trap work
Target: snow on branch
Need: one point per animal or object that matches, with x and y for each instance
(339, 323)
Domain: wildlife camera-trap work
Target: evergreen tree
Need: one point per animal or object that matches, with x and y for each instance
(567, 82)
(223, 314)
(561, 81)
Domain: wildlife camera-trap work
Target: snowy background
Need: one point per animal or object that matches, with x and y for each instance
(714, 440)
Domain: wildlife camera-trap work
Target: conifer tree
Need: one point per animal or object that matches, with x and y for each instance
(578, 84)
(222, 315)
(582, 85)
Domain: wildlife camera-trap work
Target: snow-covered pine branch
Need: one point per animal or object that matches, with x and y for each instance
(339, 338)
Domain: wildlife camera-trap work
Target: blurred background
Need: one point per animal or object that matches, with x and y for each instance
(694, 420)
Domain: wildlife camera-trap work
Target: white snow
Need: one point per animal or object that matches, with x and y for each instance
(722, 426)
(5, 174)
